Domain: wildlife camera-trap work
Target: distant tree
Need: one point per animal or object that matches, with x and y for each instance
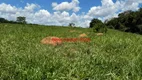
(140, 9)
(128, 21)
(21, 19)
(125, 13)
(98, 26)
(2, 20)
(71, 24)
(94, 22)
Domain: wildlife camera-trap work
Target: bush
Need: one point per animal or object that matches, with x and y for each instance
(140, 28)
(121, 27)
(100, 28)
(94, 22)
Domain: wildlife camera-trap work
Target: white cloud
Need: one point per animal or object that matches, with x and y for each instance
(74, 18)
(7, 8)
(76, 9)
(109, 9)
(131, 5)
(61, 16)
(54, 4)
(66, 6)
(65, 14)
(42, 13)
(41, 16)
(31, 7)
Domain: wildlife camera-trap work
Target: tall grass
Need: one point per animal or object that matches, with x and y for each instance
(113, 56)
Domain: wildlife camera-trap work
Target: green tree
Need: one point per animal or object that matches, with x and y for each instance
(21, 19)
(128, 21)
(71, 24)
(100, 28)
(2, 20)
(94, 22)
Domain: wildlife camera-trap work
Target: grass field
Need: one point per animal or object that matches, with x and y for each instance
(113, 56)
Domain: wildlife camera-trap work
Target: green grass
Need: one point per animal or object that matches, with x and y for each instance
(113, 56)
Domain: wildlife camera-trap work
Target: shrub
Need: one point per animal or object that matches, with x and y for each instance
(94, 22)
(140, 28)
(100, 28)
(110, 26)
(121, 27)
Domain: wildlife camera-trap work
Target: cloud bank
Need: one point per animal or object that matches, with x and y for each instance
(66, 6)
(65, 12)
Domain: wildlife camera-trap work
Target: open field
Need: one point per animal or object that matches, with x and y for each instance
(113, 56)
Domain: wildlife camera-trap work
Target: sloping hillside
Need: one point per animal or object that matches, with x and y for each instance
(114, 55)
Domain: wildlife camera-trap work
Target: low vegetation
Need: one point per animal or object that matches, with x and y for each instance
(113, 56)
(98, 26)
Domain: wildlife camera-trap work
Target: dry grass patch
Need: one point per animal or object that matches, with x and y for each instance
(83, 35)
(51, 41)
(72, 31)
(99, 34)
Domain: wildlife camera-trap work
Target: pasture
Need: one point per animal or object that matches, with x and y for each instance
(113, 56)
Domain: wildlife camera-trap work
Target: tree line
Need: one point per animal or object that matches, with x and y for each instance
(20, 20)
(128, 21)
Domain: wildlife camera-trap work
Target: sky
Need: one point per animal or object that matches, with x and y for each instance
(63, 12)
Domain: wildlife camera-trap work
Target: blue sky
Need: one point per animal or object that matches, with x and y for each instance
(84, 4)
(62, 12)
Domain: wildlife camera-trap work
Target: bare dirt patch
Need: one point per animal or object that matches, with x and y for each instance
(54, 41)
